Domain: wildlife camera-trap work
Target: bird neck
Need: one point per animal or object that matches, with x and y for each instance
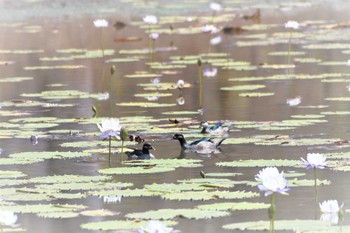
(145, 150)
(183, 143)
(204, 129)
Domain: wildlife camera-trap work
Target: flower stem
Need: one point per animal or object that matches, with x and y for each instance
(316, 192)
(121, 152)
(200, 77)
(103, 59)
(272, 213)
(289, 50)
(109, 151)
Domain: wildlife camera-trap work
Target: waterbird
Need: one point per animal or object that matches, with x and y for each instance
(217, 129)
(141, 154)
(204, 143)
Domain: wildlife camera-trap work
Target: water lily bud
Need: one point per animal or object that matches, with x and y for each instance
(202, 174)
(113, 69)
(123, 134)
(199, 62)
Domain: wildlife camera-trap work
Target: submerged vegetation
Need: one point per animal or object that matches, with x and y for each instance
(259, 99)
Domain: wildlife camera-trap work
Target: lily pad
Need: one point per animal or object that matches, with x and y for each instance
(291, 225)
(166, 214)
(120, 225)
(243, 88)
(260, 163)
(235, 206)
(145, 104)
(135, 170)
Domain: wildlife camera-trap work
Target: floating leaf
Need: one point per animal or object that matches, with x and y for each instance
(134, 170)
(59, 215)
(243, 88)
(68, 179)
(145, 104)
(174, 163)
(98, 213)
(292, 225)
(119, 225)
(256, 94)
(235, 206)
(142, 75)
(260, 163)
(67, 94)
(166, 214)
(14, 79)
(54, 67)
(181, 113)
(205, 195)
(43, 208)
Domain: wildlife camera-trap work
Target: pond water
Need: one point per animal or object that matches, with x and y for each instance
(52, 47)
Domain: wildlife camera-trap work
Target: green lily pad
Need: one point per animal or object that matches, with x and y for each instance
(166, 214)
(256, 94)
(58, 215)
(48, 155)
(42, 208)
(134, 170)
(235, 206)
(145, 104)
(66, 94)
(65, 67)
(291, 225)
(260, 163)
(14, 79)
(120, 225)
(142, 75)
(205, 195)
(243, 88)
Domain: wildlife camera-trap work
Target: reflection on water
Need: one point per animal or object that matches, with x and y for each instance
(43, 37)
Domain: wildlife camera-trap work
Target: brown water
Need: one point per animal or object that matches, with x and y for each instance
(77, 31)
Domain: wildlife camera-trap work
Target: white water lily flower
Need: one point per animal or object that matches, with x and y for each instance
(215, 6)
(150, 19)
(209, 73)
(8, 218)
(101, 23)
(333, 218)
(315, 160)
(180, 100)
(155, 227)
(292, 24)
(330, 206)
(180, 84)
(216, 40)
(210, 28)
(272, 181)
(294, 102)
(154, 36)
(112, 199)
(109, 127)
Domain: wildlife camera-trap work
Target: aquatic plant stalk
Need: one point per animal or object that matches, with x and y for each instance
(316, 192)
(272, 212)
(109, 149)
(200, 78)
(289, 46)
(103, 58)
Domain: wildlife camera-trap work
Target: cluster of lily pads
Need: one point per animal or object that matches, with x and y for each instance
(21, 194)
